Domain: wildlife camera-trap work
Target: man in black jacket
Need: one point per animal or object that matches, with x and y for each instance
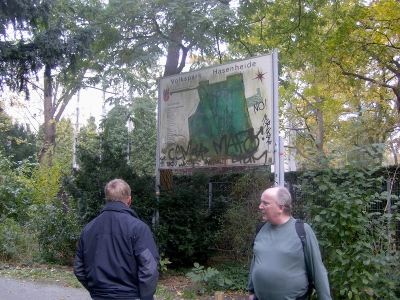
(116, 256)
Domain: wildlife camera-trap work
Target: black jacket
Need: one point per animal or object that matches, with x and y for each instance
(116, 256)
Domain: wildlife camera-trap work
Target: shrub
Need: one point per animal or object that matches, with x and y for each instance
(186, 227)
(201, 274)
(354, 237)
(87, 185)
(231, 277)
(57, 231)
(237, 225)
(16, 244)
(15, 194)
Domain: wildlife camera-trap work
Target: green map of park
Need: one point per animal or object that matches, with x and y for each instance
(217, 116)
(221, 121)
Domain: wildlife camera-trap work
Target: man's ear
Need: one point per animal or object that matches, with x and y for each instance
(128, 203)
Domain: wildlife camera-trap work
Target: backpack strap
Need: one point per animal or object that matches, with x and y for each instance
(303, 238)
(258, 228)
(301, 232)
(302, 235)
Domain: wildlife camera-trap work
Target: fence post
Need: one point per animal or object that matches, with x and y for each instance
(389, 206)
(219, 296)
(210, 196)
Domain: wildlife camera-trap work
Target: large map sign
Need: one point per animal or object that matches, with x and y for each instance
(217, 116)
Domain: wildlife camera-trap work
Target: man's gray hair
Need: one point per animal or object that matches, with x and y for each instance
(284, 198)
(117, 190)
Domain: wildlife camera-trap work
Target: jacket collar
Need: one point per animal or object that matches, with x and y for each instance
(118, 207)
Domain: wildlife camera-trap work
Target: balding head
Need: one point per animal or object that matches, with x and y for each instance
(276, 205)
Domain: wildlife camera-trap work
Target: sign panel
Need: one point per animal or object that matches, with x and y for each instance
(217, 116)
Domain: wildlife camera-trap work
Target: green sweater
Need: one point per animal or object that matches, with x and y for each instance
(278, 270)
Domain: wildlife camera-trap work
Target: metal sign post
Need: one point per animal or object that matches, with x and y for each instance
(278, 159)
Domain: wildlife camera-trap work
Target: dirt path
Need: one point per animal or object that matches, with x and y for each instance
(176, 285)
(18, 289)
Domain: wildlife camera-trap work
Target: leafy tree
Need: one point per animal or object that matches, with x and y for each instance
(102, 157)
(46, 179)
(119, 44)
(53, 37)
(148, 30)
(317, 41)
(143, 136)
(18, 143)
(64, 140)
(87, 134)
(366, 46)
(115, 130)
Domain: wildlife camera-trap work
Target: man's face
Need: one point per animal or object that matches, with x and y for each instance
(270, 210)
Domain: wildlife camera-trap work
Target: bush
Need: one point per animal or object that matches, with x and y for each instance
(186, 228)
(57, 230)
(87, 185)
(237, 225)
(16, 244)
(233, 277)
(355, 238)
(15, 194)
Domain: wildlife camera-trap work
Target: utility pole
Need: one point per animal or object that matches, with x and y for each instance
(74, 163)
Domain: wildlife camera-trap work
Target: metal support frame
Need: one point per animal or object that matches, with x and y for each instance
(278, 141)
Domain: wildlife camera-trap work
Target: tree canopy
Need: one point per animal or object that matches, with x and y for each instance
(54, 38)
(338, 61)
(338, 69)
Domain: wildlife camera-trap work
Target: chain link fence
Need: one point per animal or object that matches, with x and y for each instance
(219, 189)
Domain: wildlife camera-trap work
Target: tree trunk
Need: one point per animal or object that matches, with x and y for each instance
(49, 126)
(321, 131)
(173, 65)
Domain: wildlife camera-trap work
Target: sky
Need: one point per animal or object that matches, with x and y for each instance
(31, 111)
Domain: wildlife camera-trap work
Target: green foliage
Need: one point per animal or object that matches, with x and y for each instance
(103, 157)
(355, 237)
(45, 179)
(16, 244)
(88, 138)
(237, 273)
(115, 130)
(143, 137)
(232, 277)
(144, 32)
(337, 64)
(186, 228)
(17, 142)
(203, 276)
(49, 35)
(200, 274)
(235, 232)
(164, 262)
(45, 182)
(64, 142)
(57, 231)
(87, 185)
(15, 193)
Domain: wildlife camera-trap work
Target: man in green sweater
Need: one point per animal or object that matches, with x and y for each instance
(278, 270)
